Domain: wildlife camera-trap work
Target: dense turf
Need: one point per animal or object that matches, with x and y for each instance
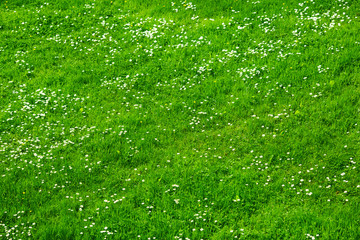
(176, 120)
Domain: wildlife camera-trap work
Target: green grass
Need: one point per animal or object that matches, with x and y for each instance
(175, 120)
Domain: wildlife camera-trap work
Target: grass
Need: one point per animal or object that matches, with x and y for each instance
(176, 120)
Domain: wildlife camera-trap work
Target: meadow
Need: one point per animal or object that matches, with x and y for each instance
(201, 119)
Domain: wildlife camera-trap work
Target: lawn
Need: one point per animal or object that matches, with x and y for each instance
(134, 119)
